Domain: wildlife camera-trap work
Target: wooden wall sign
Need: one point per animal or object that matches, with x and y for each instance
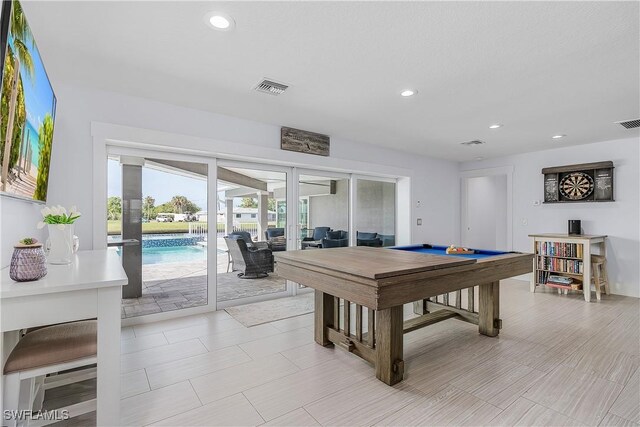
(587, 182)
(304, 142)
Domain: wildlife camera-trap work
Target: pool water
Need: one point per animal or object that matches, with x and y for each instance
(160, 255)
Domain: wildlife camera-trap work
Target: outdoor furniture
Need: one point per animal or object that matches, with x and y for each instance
(368, 239)
(252, 262)
(315, 241)
(336, 239)
(246, 236)
(276, 239)
(387, 239)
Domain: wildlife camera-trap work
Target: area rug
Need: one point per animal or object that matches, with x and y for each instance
(268, 311)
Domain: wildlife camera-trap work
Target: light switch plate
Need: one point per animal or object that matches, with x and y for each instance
(419, 222)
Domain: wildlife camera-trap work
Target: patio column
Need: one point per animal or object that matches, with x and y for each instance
(132, 224)
(229, 216)
(263, 211)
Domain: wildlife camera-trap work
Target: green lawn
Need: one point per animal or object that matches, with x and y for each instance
(115, 227)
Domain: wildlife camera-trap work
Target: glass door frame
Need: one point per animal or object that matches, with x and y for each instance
(353, 202)
(117, 150)
(297, 172)
(325, 174)
(290, 218)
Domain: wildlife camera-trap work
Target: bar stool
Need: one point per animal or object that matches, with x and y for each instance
(599, 274)
(45, 351)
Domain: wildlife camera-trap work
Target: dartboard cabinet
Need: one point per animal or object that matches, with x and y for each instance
(587, 182)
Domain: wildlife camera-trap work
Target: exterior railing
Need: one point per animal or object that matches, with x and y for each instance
(201, 229)
(197, 228)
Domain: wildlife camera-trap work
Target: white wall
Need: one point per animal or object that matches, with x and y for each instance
(619, 220)
(71, 165)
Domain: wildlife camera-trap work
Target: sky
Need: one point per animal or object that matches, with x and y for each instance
(38, 93)
(162, 186)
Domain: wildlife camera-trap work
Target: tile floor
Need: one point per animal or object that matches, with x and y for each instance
(174, 286)
(558, 361)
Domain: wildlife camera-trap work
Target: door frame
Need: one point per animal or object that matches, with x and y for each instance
(100, 233)
(479, 173)
(290, 289)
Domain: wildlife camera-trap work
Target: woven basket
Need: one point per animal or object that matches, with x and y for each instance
(28, 263)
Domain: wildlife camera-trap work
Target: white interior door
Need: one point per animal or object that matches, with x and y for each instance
(485, 212)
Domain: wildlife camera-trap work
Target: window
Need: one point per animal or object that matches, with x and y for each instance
(238, 215)
(253, 215)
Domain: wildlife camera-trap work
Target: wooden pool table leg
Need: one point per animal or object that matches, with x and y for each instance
(489, 310)
(324, 306)
(420, 307)
(389, 352)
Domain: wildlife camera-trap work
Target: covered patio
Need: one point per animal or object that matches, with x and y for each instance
(178, 285)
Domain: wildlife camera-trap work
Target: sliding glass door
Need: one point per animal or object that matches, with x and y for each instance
(158, 223)
(375, 211)
(251, 227)
(323, 210)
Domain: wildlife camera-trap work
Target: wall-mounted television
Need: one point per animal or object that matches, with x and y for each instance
(27, 109)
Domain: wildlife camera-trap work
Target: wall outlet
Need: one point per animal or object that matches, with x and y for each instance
(418, 204)
(419, 222)
(524, 222)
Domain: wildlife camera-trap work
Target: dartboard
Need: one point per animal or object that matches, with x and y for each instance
(576, 186)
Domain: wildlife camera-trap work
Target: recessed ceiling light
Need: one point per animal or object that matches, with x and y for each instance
(495, 126)
(220, 21)
(558, 136)
(408, 92)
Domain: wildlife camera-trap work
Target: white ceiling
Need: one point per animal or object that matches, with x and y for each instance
(540, 68)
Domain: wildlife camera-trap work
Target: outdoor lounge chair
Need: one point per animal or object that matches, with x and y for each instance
(276, 239)
(368, 239)
(319, 233)
(335, 239)
(387, 239)
(246, 236)
(253, 263)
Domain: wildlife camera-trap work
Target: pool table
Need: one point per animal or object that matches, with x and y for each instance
(373, 284)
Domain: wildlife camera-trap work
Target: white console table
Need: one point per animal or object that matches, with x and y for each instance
(90, 287)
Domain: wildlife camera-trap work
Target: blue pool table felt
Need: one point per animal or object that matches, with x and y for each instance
(441, 250)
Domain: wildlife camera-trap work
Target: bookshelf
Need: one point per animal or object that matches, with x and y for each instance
(566, 256)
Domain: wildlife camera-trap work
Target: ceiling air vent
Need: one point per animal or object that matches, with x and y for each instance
(271, 87)
(474, 142)
(630, 124)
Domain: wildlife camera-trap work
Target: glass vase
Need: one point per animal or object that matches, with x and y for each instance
(60, 243)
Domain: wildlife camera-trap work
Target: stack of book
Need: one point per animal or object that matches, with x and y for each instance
(569, 250)
(560, 265)
(559, 280)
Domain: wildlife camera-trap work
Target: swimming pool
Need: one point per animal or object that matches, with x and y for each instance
(161, 255)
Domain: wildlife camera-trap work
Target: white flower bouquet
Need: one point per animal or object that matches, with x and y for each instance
(58, 215)
(60, 223)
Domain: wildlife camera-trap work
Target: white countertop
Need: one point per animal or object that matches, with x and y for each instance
(89, 270)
